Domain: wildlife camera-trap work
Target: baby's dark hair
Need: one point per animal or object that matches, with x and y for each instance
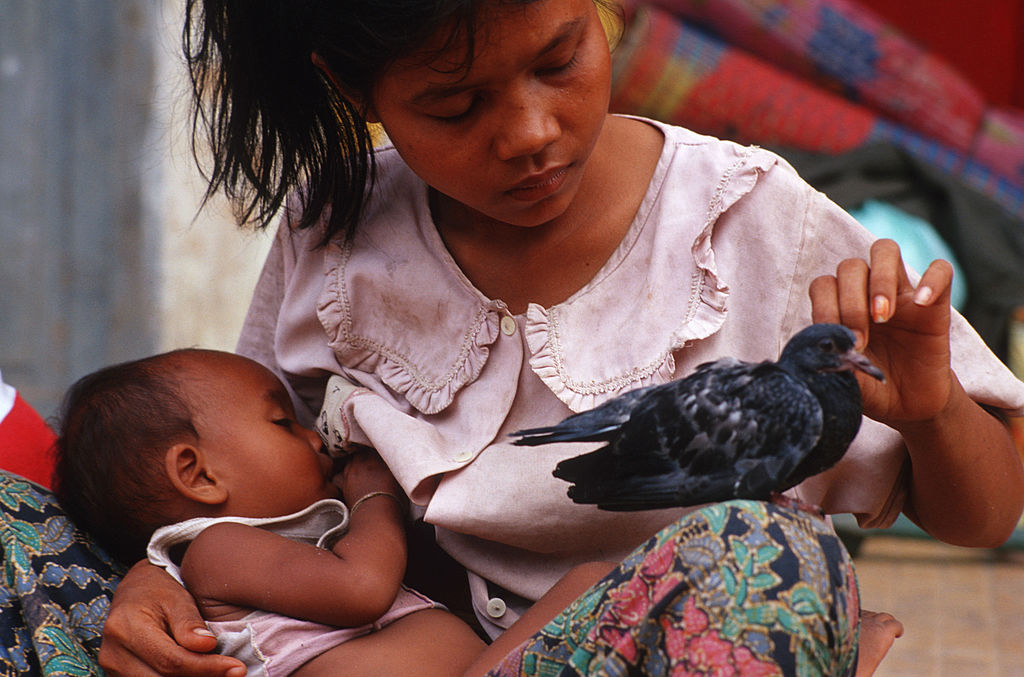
(273, 119)
(114, 426)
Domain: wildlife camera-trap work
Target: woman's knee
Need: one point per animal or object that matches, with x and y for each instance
(775, 575)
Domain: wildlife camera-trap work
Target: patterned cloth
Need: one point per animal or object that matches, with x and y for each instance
(57, 586)
(819, 76)
(843, 46)
(740, 588)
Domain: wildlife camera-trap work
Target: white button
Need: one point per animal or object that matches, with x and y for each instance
(464, 456)
(508, 325)
(496, 607)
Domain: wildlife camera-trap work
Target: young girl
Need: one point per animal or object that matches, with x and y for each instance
(516, 254)
(203, 449)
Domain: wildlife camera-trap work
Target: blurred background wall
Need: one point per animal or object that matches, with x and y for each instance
(103, 254)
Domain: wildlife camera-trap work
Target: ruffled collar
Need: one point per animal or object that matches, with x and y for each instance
(395, 303)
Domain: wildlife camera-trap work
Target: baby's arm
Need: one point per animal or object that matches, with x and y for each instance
(967, 482)
(231, 566)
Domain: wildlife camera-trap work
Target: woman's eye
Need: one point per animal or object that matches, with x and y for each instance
(563, 67)
(457, 116)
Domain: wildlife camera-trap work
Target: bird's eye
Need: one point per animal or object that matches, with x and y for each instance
(827, 345)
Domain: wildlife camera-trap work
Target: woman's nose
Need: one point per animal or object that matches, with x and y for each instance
(527, 128)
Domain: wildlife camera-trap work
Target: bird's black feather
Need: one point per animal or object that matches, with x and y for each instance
(731, 429)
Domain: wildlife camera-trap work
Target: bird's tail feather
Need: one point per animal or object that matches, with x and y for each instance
(585, 467)
(627, 494)
(651, 493)
(533, 437)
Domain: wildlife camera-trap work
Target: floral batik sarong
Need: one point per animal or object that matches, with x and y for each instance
(57, 586)
(735, 589)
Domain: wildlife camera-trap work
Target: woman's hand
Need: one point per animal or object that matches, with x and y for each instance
(154, 628)
(903, 329)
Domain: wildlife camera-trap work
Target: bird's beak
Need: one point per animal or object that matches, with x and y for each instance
(851, 360)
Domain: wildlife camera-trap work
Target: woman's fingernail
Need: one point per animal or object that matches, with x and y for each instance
(923, 296)
(880, 309)
(203, 632)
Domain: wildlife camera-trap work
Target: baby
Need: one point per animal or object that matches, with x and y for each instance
(197, 453)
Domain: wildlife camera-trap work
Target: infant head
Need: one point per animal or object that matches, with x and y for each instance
(189, 433)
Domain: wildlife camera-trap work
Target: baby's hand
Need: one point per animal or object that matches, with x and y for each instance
(903, 330)
(365, 473)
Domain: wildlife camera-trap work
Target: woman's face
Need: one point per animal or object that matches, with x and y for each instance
(510, 137)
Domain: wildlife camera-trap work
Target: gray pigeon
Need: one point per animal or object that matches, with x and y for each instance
(731, 429)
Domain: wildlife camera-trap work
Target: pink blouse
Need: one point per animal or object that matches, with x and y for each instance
(717, 261)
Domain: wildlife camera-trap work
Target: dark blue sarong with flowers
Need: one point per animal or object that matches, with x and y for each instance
(57, 586)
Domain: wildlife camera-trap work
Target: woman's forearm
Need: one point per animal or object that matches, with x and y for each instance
(967, 482)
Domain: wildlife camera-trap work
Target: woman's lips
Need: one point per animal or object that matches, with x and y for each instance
(540, 186)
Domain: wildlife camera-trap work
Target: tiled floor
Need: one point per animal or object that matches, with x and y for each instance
(962, 609)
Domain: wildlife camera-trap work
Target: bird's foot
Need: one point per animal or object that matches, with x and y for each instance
(791, 503)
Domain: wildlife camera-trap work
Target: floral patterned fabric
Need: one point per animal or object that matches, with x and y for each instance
(736, 589)
(57, 586)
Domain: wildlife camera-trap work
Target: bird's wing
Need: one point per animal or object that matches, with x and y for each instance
(594, 425)
(789, 423)
(731, 430)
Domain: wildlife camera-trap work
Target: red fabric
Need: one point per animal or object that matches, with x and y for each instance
(769, 106)
(26, 443)
(667, 70)
(982, 40)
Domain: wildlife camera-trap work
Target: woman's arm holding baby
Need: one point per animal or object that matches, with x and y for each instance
(967, 481)
(154, 628)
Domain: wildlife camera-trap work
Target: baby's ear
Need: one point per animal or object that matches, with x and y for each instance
(192, 475)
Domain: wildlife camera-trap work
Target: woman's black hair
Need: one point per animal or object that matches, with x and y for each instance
(114, 426)
(275, 121)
